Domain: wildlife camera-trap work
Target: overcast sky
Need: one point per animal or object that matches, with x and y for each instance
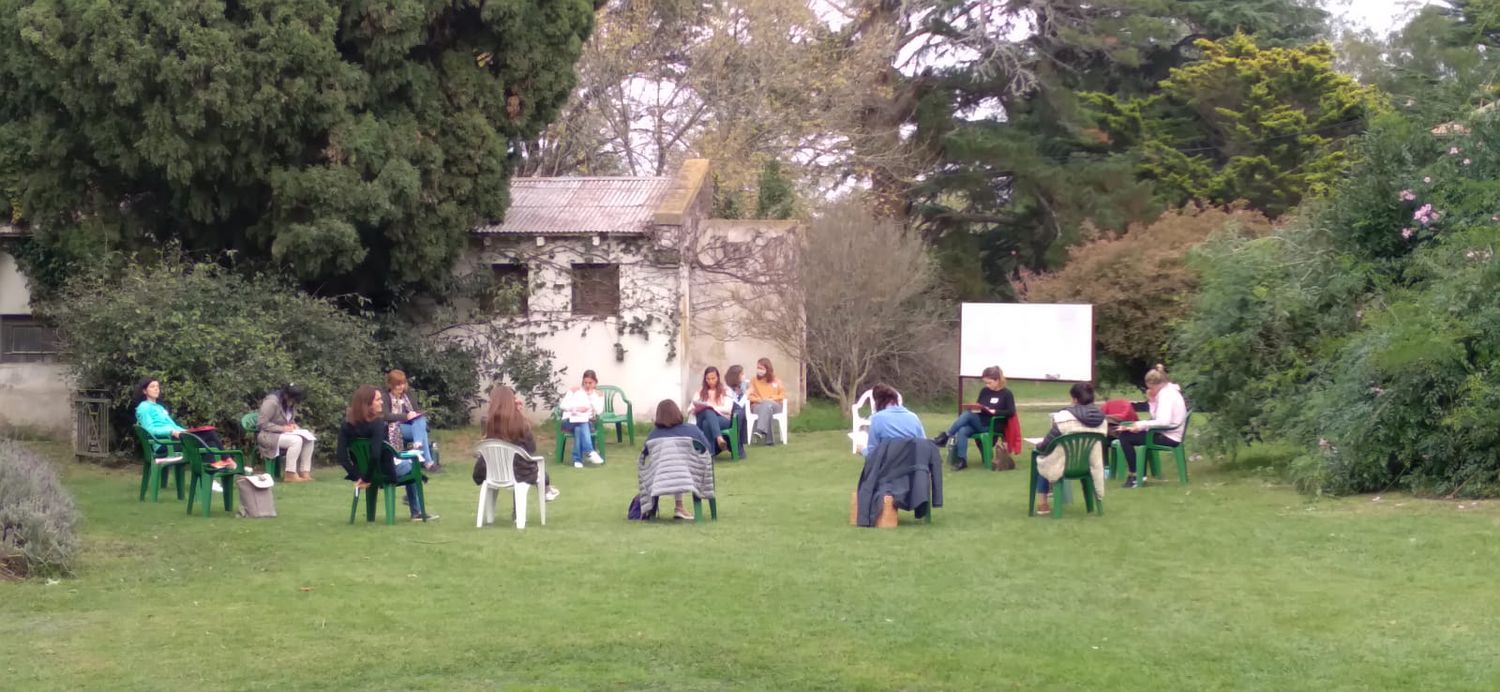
(1380, 16)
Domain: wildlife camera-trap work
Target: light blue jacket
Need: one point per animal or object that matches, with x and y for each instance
(892, 423)
(153, 417)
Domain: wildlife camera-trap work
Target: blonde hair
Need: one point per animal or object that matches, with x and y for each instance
(1157, 376)
(993, 372)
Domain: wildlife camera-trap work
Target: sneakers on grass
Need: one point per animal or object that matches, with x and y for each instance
(595, 459)
(577, 464)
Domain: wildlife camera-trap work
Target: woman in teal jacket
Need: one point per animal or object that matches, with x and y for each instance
(154, 419)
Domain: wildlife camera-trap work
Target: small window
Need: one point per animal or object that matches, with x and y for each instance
(25, 340)
(596, 290)
(509, 292)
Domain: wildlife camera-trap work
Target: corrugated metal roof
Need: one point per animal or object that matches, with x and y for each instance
(580, 206)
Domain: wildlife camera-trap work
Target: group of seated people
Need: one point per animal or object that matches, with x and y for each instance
(1164, 401)
(396, 429)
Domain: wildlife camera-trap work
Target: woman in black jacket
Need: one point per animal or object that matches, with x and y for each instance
(364, 421)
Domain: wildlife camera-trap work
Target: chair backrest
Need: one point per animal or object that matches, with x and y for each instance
(359, 451)
(192, 450)
(499, 456)
(148, 443)
(609, 392)
(1079, 448)
(250, 422)
(867, 398)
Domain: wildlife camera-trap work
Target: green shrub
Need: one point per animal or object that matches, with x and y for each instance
(218, 341)
(445, 373)
(38, 520)
(1367, 333)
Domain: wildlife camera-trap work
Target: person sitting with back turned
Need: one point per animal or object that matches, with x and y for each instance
(995, 401)
(506, 420)
(671, 464)
(891, 420)
(900, 462)
(1168, 418)
(1082, 416)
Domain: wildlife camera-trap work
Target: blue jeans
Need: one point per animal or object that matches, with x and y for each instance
(1042, 485)
(712, 424)
(583, 438)
(416, 431)
(403, 467)
(967, 425)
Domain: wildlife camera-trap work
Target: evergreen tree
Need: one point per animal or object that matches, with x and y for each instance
(351, 143)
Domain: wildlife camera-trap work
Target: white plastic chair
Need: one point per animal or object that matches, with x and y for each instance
(500, 474)
(862, 423)
(779, 418)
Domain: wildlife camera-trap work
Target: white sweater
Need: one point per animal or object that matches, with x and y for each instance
(1168, 413)
(579, 406)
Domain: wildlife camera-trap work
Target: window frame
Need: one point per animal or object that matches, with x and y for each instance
(592, 304)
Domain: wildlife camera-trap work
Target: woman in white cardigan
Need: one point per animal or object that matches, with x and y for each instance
(1168, 419)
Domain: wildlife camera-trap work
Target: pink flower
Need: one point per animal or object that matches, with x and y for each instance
(1467, 162)
(1453, 151)
(1407, 195)
(1495, 217)
(1406, 233)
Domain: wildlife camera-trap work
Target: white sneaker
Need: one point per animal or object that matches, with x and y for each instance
(595, 459)
(218, 488)
(577, 464)
(552, 494)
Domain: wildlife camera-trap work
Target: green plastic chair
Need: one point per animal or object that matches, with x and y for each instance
(158, 457)
(1149, 457)
(1078, 447)
(611, 417)
(986, 440)
(359, 450)
(201, 489)
(562, 437)
(276, 466)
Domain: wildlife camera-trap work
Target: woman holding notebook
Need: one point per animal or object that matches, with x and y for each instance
(994, 401)
(406, 422)
(712, 408)
(277, 431)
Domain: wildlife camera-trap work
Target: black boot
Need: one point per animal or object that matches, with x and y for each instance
(941, 440)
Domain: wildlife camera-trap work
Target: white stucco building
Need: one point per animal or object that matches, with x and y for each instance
(626, 276)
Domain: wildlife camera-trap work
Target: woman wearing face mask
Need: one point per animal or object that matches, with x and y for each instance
(767, 398)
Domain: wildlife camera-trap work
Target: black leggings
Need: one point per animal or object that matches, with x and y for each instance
(1130, 440)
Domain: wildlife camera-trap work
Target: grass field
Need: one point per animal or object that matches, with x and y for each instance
(1231, 583)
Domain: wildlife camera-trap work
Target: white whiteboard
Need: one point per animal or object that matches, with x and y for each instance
(1029, 341)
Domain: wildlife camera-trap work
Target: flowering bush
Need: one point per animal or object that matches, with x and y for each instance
(1367, 332)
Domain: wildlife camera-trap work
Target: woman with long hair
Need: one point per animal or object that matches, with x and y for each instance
(712, 408)
(505, 420)
(767, 398)
(153, 417)
(277, 431)
(581, 406)
(365, 420)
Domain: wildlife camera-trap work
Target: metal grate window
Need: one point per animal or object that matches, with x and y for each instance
(25, 340)
(596, 290)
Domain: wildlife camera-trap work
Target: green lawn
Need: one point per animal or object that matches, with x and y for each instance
(1230, 583)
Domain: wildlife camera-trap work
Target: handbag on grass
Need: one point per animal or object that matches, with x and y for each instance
(1003, 460)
